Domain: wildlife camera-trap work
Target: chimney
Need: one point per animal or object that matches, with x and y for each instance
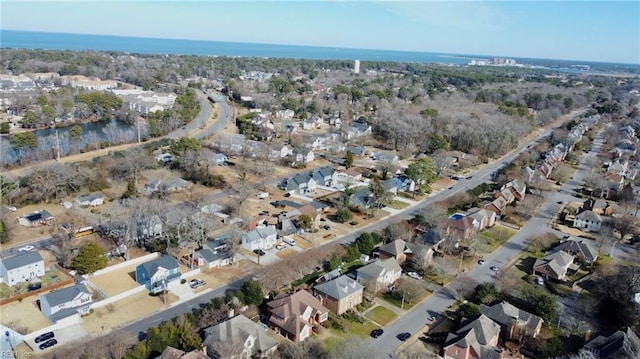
(587, 336)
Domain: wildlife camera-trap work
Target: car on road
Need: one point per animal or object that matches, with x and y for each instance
(281, 246)
(494, 268)
(196, 283)
(44, 337)
(327, 227)
(259, 252)
(11, 208)
(482, 261)
(414, 275)
(451, 187)
(26, 249)
(559, 202)
(376, 332)
(47, 344)
(404, 336)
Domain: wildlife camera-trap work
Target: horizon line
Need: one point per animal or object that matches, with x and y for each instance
(313, 46)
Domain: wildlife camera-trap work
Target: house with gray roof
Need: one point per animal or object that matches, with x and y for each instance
(91, 200)
(300, 183)
(157, 273)
(619, 344)
(66, 302)
(379, 275)
(476, 338)
(483, 217)
(325, 176)
(398, 250)
(36, 219)
(515, 323)
(249, 336)
(260, 238)
(361, 199)
(340, 295)
(588, 221)
(215, 253)
(167, 185)
(23, 267)
(555, 265)
(579, 248)
(518, 188)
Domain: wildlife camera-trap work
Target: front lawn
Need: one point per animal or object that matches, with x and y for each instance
(381, 315)
(398, 205)
(395, 298)
(495, 236)
(340, 326)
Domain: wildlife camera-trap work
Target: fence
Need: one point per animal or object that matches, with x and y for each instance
(36, 292)
(138, 260)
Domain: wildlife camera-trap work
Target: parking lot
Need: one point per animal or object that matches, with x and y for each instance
(270, 256)
(62, 336)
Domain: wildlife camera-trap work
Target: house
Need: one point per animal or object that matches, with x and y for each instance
(173, 353)
(167, 186)
(514, 322)
(598, 206)
(303, 156)
(214, 254)
(357, 151)
(518, 188)
(619, 344)
(461, 226)
(36, 219)
(399, 183)
(496, 206)
(483, 217)
(506, 194)
(157, 273)
(281, 152)
(350, 175)
(164, 157)
(398, 250)
(23, 267)
(251, 339)
(66, 302)
(476, 338)
(379, 275)
(92, 200)
(295, 315)
(580, 249)
(300, 183)
(325, 176)
(588, 221)
(618, 167)
(614, 184)
(260, 238)
(362, 199)
(388, 157)
(285, 114)
(219, 159)
(339, 295)
(555, 265)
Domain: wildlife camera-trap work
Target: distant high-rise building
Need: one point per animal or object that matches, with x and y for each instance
(356, 67)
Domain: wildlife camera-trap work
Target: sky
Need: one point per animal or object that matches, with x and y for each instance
(603, 31)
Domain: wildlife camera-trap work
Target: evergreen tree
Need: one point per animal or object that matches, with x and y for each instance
(90, 258)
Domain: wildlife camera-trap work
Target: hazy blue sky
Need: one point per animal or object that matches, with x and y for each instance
(577, 30)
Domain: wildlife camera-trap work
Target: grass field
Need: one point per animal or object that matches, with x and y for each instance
(495, 237)
(381, 315)
(398, 301)
(398, 204)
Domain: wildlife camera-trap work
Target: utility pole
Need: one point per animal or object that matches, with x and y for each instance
(138, 125)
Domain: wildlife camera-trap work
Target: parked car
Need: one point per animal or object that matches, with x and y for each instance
(414, 275)
(44, 337)
(327, 227)
(280, 247)
(26, 249)
(196, 283)
(376, 333)
(259, 252)
(404, 336)
(539, 281)
(482, 261)
(47, 344)
(494, 268)
(11, 208)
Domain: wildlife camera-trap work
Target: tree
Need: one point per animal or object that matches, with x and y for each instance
(423, 173)
(343, 215)
(305, 222)
(30, 119)
(90, 258)
(252, 292)
(462, 287)
(185, 144)
(76, 133)
(401, 230)
(379, 195)
(437, 142)
(348, 159)
(24, 142)
(409, 289)
(5, 128)
(132, 190)
(366, 242)
(625, 225)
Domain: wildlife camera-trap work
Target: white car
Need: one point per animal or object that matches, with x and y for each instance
(280, 247)
(414, 275)
(26, 249)
(11, 208)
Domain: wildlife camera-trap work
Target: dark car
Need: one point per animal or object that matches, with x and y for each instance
(327, 227)
(259, 252)
(404, 336)
(44, 337)
(376, 333)
(47, 344)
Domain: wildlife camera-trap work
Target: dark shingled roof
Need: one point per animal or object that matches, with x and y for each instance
(21, 260)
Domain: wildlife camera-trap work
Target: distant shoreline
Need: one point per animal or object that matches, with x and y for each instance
(145, 45)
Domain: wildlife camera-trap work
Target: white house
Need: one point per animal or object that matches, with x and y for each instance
(260, 238)
(215, 253)
(379, 275)
(67, 302)
(91, 200)
(219, 158)
(588, 221)
(304, 156)
(21, 268)
(281, 152)
(252, 338)
(300, 183)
